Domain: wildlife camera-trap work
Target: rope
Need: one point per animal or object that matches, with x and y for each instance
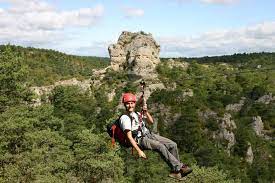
(141, 101)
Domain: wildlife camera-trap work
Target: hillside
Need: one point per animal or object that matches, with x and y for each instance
(45, 67)
(219, 110)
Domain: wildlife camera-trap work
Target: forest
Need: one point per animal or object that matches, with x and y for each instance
(65, 139)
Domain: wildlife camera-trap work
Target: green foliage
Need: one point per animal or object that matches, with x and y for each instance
(12, 77)
(47, 66)
(33, 150)
(30, 149)
(113, 78)
(155, 170)
(187, 132)
(209, 175)
(262, 169)
(65, 141)
(243, 137)
(94, 160)
(75, 107)
(212, 124)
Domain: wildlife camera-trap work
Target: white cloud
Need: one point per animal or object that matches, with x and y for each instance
(219, 1)
(19, 6)
(255, 38)
(36, 21)
(97, 48)
(133, 12)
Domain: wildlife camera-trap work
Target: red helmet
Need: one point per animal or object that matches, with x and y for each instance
(128, 97)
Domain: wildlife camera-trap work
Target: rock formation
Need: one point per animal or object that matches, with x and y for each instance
(227, 126)
(258, 125)
(249, 154)
(138, 53)
(235, 107)
(266, 99)
(46, 90)
(174, 63)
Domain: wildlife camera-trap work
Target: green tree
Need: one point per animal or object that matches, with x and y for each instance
(12, 79)
(95, 161)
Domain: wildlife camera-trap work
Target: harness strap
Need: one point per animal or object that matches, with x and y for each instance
(113, 136)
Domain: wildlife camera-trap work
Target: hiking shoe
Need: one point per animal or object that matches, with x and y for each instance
(185, 170)
(176, 175)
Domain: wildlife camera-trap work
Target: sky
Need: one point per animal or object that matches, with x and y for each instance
(182, 28)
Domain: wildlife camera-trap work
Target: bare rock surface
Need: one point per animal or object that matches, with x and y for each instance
(235, 107)
(227, 126)
(174, 63)
(258, 125)
(266, 99)
(138, 53)
(46, 90)
(249, 154)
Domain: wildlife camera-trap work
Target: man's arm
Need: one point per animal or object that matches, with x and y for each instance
(148, 115)
(134, 144)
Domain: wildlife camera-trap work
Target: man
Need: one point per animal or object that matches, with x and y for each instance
(141, 138)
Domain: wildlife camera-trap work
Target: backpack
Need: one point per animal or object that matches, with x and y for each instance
(117, 134)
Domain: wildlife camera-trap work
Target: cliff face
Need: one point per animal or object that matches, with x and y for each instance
(137, 53)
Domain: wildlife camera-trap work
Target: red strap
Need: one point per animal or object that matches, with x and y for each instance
(113, 136)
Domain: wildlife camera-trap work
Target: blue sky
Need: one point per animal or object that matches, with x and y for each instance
(186, 28)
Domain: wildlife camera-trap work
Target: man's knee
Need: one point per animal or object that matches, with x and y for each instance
(173, 145)
(161, 147)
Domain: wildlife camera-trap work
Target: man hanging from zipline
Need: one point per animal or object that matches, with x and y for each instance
(140, 137)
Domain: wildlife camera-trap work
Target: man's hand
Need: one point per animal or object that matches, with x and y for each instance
(141, 154)
(147, 114)
(144, 108)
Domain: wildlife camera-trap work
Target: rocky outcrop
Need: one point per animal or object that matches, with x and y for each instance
(227, 126)
(208, 114)
(174, 63)
(235, 107)
(111, 95)
(249, 154)
(46, 90)
(164, 113)
(258, 126)
(138, 53)
(266, 99)
(151, 88)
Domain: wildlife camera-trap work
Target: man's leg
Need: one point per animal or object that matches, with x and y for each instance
(170, 145)
(153, 144)
(173, 149)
